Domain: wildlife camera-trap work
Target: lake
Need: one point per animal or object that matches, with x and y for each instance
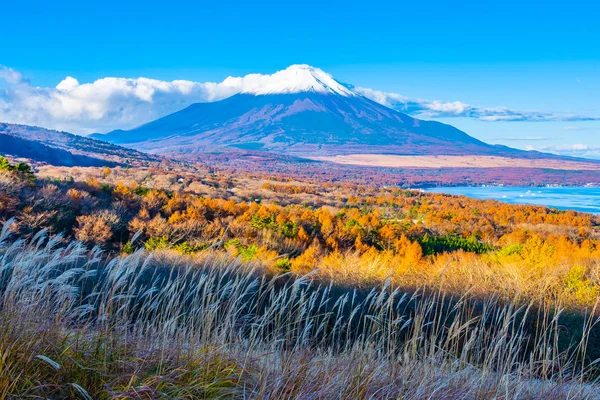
(585, 199)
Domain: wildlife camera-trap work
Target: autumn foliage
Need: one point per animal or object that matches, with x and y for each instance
(346, 233)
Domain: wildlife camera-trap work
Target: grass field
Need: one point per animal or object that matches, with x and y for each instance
(395, 161)
(147, 326)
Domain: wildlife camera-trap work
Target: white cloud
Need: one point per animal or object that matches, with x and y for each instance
(104, 104)
(564, 147)
(9, 75)
(386, 98)
(111, 103)
(574, 150)
(439, 109)
(527, 138)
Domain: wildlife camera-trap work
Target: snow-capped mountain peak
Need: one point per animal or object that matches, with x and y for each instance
(298, 111)
(294, 79)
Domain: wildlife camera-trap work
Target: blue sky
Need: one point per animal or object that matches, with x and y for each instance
(524, 55)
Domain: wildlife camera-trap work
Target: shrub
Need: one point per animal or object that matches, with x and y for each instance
(187, 248)
(579, 287)
(283, 264)
(92, 229)
(445, 243)
(509, 250)
(160, 243)
(128, 248)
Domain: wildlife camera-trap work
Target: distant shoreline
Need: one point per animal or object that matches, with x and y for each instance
(447, 161)
(577, 198)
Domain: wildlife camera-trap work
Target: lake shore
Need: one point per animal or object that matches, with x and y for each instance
(580, 198)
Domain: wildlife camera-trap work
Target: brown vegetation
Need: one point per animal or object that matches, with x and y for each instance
(395, 161)
(156, 326)
(221, 285)
(349, 234)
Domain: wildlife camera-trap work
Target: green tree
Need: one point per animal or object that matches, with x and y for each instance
(5, 165)
(22, 170)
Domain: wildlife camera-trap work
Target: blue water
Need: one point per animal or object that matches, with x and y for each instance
(585, 199)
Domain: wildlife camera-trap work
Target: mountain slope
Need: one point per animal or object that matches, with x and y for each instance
(301, 111)
(65, 149)
(23, 148)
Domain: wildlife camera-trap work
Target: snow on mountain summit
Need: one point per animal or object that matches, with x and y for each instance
(296, 111)
(294, 79)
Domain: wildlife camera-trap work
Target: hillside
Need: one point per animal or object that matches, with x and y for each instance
(65, 149)
(216, 286)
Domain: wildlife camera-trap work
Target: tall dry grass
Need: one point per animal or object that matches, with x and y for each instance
(76, 324)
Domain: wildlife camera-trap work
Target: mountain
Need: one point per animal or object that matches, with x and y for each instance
(65, 149)
(301, 111)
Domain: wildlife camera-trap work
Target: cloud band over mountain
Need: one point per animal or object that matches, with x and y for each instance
(438, 109)
(111, 103)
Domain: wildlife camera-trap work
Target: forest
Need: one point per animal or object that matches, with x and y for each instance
(356, 236)
(349, 271)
